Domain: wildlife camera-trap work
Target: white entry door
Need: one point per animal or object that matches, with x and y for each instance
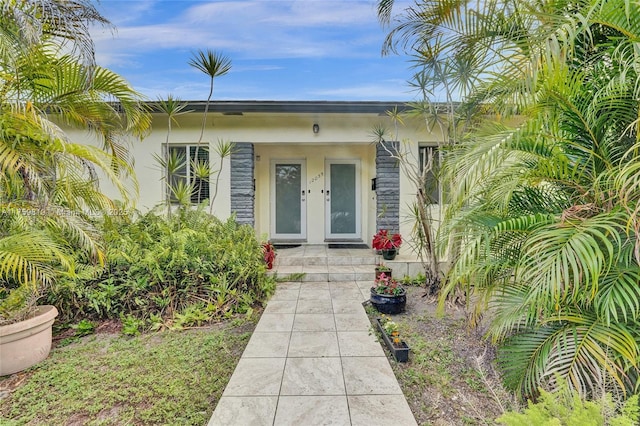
(342, 199)
(288, 200)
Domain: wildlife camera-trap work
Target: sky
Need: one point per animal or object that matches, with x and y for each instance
(279, 49)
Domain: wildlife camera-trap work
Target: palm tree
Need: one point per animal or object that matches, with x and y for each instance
(213, 64)
(48, 183)
(544, 203)
(171, 163)
(27, 22)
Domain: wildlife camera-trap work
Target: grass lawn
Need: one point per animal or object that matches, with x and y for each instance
(177, 378)
(172, 378)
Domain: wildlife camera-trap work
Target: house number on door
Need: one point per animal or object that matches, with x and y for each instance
(316, 178)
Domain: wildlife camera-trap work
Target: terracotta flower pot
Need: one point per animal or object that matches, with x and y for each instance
(27, 342)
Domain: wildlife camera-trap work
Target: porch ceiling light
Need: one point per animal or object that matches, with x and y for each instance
(316, 128)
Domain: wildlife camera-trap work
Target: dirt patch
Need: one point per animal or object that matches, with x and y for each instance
(450, 378)
(10, 383)
(109, 327)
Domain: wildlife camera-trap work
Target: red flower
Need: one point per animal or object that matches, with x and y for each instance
(269, 253)
(383, 241)
(387, 285)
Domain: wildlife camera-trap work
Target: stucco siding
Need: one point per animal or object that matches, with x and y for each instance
(264, 137)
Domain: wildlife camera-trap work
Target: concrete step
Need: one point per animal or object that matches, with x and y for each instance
(320, 264)
(328, 273)
(345, 260)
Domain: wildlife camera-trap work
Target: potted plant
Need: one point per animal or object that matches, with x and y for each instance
(391, 337)
(381, 268)
(269, 254)
(387, 295)
(387, 244)
(25, 327)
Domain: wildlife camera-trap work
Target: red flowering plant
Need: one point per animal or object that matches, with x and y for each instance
(269, 254)
(385, 241)
(384, 284)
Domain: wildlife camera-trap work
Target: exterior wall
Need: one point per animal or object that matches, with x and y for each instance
(276, 136)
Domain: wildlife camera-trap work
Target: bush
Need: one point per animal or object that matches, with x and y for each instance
(564, 408)
(172, 272)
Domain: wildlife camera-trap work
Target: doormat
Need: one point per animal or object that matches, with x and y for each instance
(286, 246)
(348, 246)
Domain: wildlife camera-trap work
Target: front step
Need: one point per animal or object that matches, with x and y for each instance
(322, 264)
(332, 269)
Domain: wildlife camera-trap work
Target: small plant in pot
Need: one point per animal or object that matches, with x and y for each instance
(381, 268)
(391, 336)
(387, 244)
(387, 295)
(269, 253)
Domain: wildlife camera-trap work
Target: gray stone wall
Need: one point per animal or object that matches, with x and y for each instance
(242, 193)
(387, 189)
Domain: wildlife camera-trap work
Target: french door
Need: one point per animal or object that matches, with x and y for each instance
(288, 199)
(342, 199)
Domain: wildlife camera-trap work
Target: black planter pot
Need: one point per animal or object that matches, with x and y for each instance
(388, 303)
(400, 353)
(389, 254)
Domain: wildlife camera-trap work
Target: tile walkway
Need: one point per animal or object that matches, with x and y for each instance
(311, 359)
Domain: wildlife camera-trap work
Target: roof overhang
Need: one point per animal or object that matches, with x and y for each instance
(327, 107)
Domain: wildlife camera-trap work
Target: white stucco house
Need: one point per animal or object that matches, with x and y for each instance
(304, 172)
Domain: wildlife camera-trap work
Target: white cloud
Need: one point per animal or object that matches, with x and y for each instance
(390, 90)
(249, 29)
(271, 43)
(120, 15)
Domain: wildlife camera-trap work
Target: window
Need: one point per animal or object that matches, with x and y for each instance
(188, 179)
(430, 156)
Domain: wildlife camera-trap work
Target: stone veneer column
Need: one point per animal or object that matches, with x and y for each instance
(242, 182)
(387, 189)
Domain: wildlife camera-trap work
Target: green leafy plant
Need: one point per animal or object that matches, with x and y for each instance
(384, 284)
(84, 328)
(382, 267)
(388, 325)
(564, 408)
(417, 281)
(542, 220)
(171, 272)
(48, 189)
(131, 326)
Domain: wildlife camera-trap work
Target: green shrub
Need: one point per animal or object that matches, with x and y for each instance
(563, 408)
(183, 270)
(84, 328)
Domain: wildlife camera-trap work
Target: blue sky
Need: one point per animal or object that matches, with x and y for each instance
(280, 49)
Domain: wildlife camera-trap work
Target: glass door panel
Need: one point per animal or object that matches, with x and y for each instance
(342, 199)
(288, 215)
